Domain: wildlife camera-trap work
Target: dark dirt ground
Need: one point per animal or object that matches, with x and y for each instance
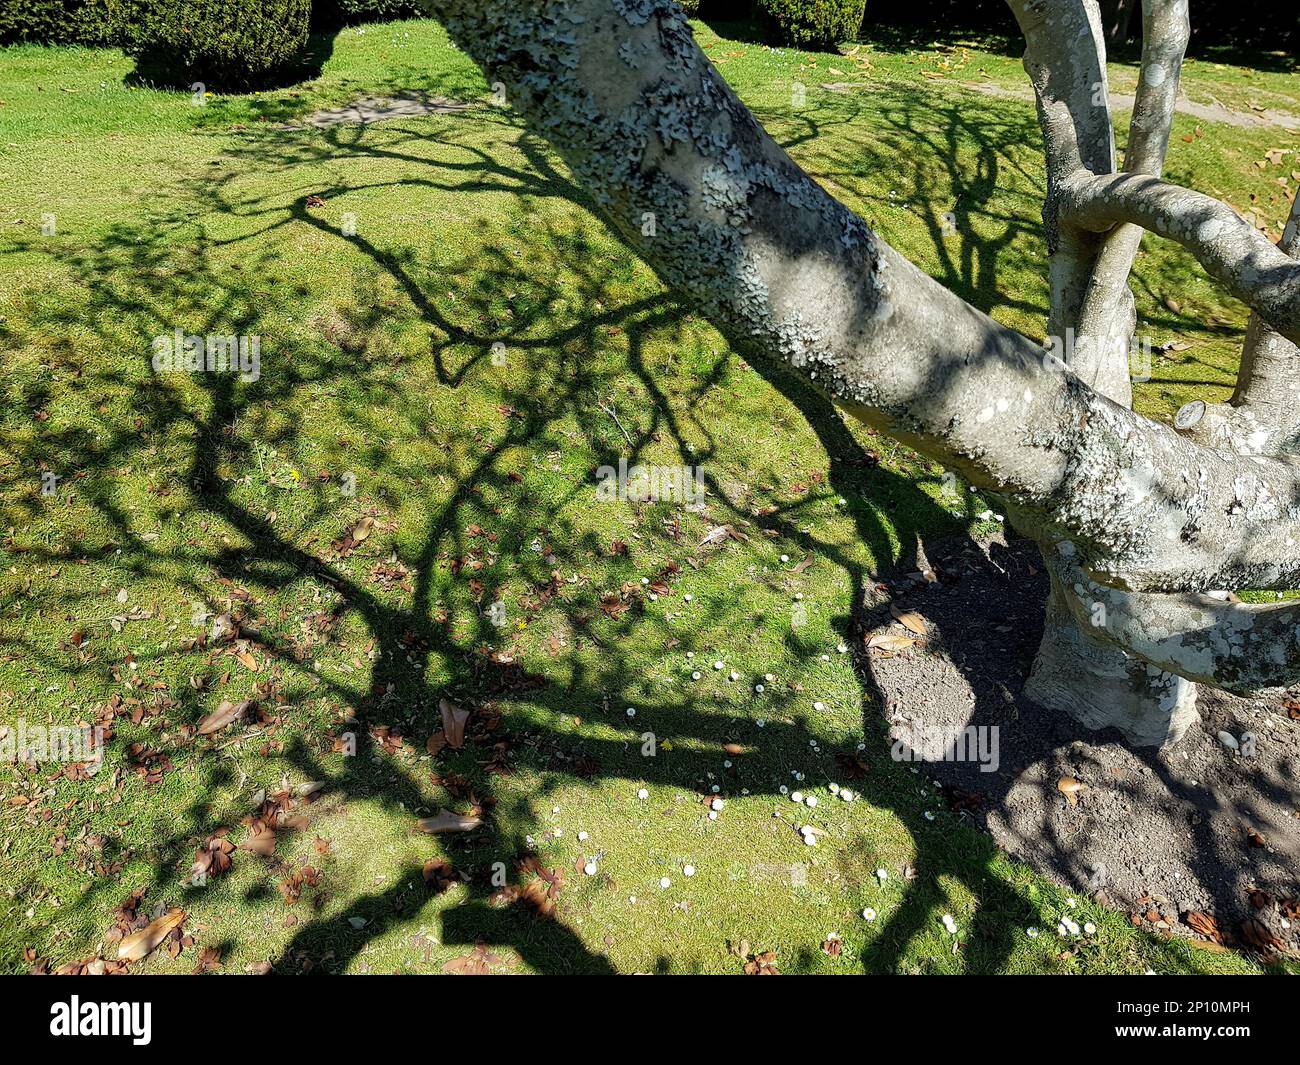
(1157, 833)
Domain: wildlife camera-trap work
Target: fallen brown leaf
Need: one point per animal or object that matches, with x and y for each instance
(910, 620)
(762, 964)
(889, 641)
(225, 714)
(449, 822)
(140, 944)
(1070, 788)
(454, 719)
(1203, 924)
(1255, 933)
(478, 962)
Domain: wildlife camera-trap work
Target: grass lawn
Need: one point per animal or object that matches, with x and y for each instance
(451, 345)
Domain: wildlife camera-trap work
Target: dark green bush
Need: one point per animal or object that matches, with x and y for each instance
(814, 23)
(223, 43)
(55, 21)
(330, 14)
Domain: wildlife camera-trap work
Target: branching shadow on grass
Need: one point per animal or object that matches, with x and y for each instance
(139, 281)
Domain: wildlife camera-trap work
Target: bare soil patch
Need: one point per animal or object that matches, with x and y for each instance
(1195, 828)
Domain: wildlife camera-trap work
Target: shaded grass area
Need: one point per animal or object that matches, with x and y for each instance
(452, 345)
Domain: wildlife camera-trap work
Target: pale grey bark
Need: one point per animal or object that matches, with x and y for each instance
(1101, 685)
(653, 132)
(1263, 417)
(1107, 318)
(1212, 639)
(1072, 96)
(1232, 250)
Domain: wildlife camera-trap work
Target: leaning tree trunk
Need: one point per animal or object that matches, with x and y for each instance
(1141, 526)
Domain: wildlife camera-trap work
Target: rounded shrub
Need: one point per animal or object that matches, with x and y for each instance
(55, 21)
(814, 23)
(228, 43)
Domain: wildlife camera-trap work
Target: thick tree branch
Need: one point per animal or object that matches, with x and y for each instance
(686, 174)
(1248, 264)
(1244, 648)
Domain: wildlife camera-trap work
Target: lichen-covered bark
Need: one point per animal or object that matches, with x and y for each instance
(1070, 92)
(691, 181)
(1263, 417)
(1244, 648)
(1101, 685)
(1106, 317)
(1252, 268)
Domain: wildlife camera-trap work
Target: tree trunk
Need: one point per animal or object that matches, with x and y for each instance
(1144, 527)
(1099, 685)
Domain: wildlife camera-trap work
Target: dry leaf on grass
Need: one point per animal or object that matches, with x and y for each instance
(140, 944)
(225, 714)
(262, 843)
(449, 822)
(762, 964)
(454, 719)
(439, 875)
(541, 892)
(720, 533)
(359, 533)
(478, 962)
(213, 858)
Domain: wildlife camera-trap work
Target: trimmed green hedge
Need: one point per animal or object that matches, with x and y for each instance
(814, 23)
(222, 43)
(56, 21)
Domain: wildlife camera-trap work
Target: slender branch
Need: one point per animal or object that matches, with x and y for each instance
(1249, 265)
(1107, 312)
(1263, 416)
(1269, 378)
(1065, 59)
(1166, 29)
